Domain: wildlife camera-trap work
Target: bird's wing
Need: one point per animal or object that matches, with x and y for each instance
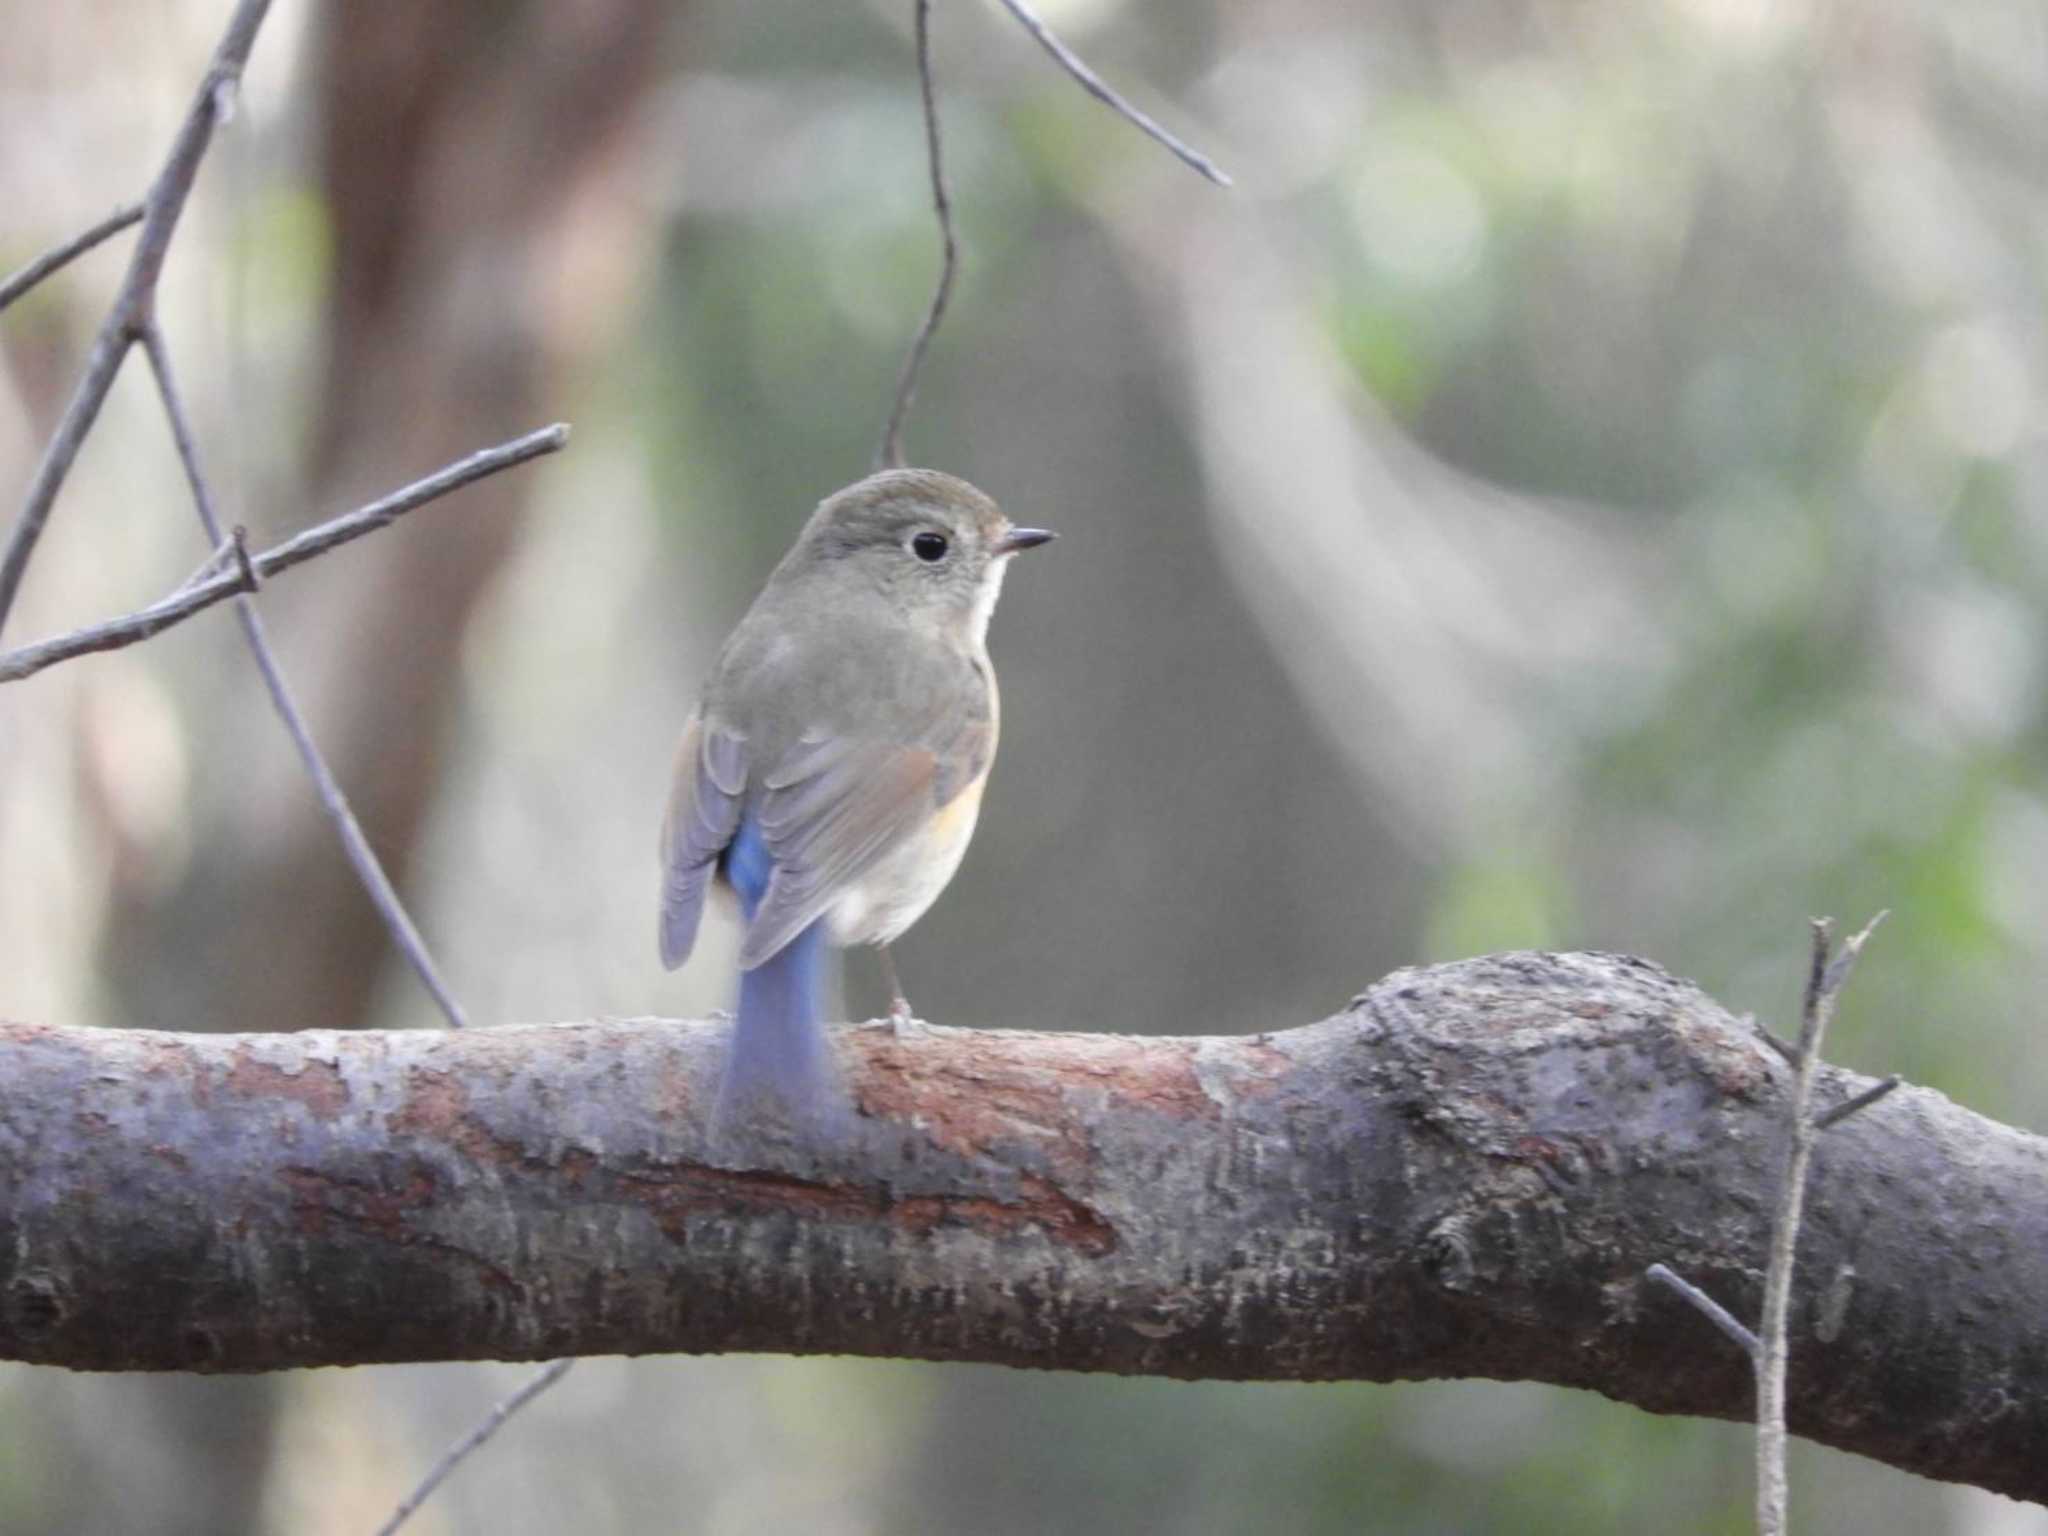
(704, 808)
(835, 806)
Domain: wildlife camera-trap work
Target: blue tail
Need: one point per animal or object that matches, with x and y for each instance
(779, 1068)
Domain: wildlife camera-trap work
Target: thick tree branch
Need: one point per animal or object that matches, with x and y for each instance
(1465, 1174)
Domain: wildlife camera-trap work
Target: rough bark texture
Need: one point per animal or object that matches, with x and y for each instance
(1464, 1174)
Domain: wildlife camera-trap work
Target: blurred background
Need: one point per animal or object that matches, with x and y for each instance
(1582, 488)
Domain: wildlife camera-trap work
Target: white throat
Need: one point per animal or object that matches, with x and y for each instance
(985, 601)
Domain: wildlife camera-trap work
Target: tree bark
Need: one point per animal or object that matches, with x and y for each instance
(1464, 1174)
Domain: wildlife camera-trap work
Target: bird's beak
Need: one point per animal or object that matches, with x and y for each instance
(1023, 538)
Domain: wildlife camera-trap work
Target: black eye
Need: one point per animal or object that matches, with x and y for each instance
(929, 546)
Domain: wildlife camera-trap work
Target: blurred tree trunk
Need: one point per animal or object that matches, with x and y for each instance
(475, 160)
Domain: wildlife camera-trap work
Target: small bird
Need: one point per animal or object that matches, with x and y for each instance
(831, 775)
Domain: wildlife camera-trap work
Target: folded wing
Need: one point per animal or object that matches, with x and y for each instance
(703, 814)
(831, 803)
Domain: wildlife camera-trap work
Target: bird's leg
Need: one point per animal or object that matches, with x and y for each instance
(899, 1005)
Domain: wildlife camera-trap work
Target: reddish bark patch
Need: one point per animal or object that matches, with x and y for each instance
(1257, 1067)
(1561, 1159)
(676, 1196)
(318, 1085)
(1158, 1075)
(1043, 1205)
(319, 1197)
(436, 1108)
(973, 1094)
(673, 1095)
(1738, 1069)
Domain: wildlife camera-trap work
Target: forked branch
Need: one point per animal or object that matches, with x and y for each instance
(1769, 1349)
(134, 307)
(221, 577)
(889, 454)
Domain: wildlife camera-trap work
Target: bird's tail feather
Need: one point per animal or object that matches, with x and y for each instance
(779, 1069)
(779, 1073)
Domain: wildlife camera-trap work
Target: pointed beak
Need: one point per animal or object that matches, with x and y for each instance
(1023, 538)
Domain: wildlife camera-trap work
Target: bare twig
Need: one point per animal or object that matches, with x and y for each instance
(1824, 983)
(221, 576)
(229, 571)
(108, 348)
(353, 525)
(14, 286)
(452, 1457)
(1788, 1050)
(1857, 1105)
(1711, 1309)
(214, 586)
(135, 305)
(1769, 1350)
(1097, 87)
(367, 867)
(890, 454)
(238, 547)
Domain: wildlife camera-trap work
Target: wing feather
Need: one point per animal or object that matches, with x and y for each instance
(827, 830)
(831, 794)
(704, 809)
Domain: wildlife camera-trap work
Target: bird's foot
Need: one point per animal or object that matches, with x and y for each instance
(900, 1016)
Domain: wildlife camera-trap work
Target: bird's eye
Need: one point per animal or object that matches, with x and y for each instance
(929, 547)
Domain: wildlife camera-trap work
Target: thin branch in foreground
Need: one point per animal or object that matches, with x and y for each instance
(1100, 89)
(452, 1457)
(220, 577)
(357, 847)
(890, 454)
(1857, 1105)
(1825, 979)
(214, 583)
(1769, 1350)
(1709, 1308)
(14, 286)
(135, 305)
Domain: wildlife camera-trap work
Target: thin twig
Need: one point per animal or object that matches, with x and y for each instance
(221, 578)
(1823, 985)
(1857, 1105)
(890, 454)
(354, 844)
(1711, 1309)
(135, 305)
(492, 1423)
(1097, 87)
(353, 525)
(20, 282)
(130, 629)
